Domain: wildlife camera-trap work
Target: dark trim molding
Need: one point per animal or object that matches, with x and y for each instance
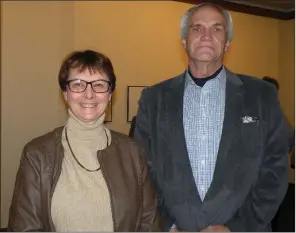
(1, 23)
(252, 10)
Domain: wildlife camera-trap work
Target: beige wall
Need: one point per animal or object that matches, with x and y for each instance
(35, 35)
(148, 50)
(143, 49)
(286, 75)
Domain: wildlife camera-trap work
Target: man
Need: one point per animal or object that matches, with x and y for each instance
(215, 140)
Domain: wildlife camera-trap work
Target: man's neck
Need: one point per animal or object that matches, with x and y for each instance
(202, 69)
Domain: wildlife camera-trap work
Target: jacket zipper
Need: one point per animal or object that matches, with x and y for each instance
(111, 198)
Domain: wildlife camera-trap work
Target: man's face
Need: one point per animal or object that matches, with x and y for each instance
(207, 36)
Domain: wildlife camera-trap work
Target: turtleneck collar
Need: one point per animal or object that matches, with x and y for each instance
(202, 81)
(83, 131)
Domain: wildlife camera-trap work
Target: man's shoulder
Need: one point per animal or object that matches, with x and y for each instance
(166, 83)
(256, 85)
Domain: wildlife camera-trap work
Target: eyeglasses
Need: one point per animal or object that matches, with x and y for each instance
(98, 86)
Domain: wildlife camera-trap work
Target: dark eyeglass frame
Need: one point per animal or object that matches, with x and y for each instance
(89, 83)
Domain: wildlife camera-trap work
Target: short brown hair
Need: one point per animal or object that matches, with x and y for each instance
(272, 81)
(88, 59)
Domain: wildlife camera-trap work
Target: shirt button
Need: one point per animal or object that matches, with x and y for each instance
(203, 162)
(202, 188)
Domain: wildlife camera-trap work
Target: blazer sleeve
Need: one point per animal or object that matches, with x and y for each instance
(143, 136)
(291, 135)
(25, 210)
(272, 182)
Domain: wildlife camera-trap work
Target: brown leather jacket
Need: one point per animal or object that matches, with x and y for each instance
(39, 171)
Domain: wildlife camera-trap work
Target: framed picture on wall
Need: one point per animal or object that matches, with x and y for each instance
(133, 96)
(108, 117)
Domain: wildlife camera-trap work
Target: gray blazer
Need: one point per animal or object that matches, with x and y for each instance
(251, 173)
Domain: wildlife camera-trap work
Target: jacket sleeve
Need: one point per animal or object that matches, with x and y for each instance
(272, 182)
(150, 220)
(291, 135)
(25, 210)
(143, 136)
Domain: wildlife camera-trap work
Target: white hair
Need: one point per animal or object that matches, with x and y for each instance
(188, 14)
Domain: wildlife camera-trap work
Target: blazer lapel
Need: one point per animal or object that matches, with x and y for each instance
(230, 132)
(186, 201)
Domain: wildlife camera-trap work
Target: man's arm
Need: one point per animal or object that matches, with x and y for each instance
(143, 136)
(271, 185)
(291, 135)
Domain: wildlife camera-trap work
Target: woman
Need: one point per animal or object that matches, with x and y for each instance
(84, 177)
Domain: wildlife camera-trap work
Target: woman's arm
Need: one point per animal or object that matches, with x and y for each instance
(25, 210)
(150, 220)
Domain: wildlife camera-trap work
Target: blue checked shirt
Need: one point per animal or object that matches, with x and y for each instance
(203, 115)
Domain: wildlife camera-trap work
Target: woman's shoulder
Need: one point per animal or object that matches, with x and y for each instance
(129, 149)
(125, 142)
(120, 137)
(47, 140)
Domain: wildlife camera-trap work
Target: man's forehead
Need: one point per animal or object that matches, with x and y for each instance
(211, 24)
(208, 12)
(207, 20)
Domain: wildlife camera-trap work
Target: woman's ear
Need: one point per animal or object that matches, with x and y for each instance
(65, 96)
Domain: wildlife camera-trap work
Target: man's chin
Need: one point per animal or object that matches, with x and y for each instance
(205, 59)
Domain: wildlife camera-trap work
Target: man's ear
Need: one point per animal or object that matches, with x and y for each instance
(184, 44)
(226, 46)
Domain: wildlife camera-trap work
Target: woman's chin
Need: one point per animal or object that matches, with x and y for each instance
(90, 117)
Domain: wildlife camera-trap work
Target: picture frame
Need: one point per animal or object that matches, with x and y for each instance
(133, 96)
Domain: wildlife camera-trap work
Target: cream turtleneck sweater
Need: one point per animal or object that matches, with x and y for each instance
(81, 200)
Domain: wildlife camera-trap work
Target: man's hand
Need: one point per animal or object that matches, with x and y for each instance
(216, 228)
(174, 229)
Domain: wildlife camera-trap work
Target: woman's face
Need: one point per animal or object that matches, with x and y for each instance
(87, 105)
